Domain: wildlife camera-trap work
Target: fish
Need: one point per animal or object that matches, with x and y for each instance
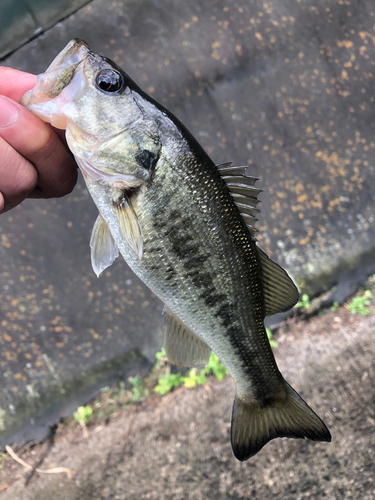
(186, 227)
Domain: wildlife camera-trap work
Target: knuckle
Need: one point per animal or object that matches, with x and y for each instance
(44, 148)
(65, 187)
(50, 154)
(18, 174)
(2, 202)
(27, 179)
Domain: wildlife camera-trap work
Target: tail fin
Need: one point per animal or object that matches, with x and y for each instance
(254, 424)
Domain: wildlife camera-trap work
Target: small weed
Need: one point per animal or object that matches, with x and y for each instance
(194, 377)
(83, 415)
(273, 342)
(215, 367)
(359, 305)
(160, 356)
(304, 303)
(335, 306)
(3, 457)
(168, 382)
(138, 388)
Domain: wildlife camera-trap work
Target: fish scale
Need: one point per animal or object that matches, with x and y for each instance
(186, 228)
(172, 229)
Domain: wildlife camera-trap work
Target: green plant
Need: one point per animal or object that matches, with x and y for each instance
(335, 306)
(360, 304)
(273, 342)
(215, 367)
(83, 415)
(168, 382)
(138, 388)
(304, 302)
(3, 457)
(194, 377)
(160, 356)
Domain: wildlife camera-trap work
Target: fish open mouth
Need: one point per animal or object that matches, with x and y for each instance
(59, 80)
(57, 87)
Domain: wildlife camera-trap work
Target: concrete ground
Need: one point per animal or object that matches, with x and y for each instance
(178, 447)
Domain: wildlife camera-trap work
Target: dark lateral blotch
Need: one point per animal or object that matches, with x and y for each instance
(146, 159)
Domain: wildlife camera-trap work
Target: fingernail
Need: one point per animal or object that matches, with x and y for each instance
(9, 112)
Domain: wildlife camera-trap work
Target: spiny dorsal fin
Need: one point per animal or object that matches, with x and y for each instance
(129, 225)
(103, 247)
(183, 347)
(280, 293)
(224, 166)
(244, 193)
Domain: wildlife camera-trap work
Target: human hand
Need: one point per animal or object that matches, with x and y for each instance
(34, 161)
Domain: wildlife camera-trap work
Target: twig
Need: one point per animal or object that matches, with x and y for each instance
(51, 440)
(84, 429)
(55, 470)
(4, 487)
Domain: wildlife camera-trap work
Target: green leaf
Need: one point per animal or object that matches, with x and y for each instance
(83, 415)
(168, 382)
(360, 305)
(272, 342)
(215, 367)
(304, 303)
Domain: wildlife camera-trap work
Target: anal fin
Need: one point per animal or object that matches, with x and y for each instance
(183, 347)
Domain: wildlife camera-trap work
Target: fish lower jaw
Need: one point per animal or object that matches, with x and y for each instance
(47, 111)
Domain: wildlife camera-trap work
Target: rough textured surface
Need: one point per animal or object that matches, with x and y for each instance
(64, 333)
(178, 447)
(21, 21)
(286, 88)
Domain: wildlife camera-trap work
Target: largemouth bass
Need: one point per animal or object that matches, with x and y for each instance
(186, 227)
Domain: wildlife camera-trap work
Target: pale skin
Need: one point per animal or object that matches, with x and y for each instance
(34, 160)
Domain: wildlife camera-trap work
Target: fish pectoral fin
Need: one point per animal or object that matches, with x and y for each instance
(280, 293)
(103, 247)
(254, 424)
(129, 225)
(183, 347)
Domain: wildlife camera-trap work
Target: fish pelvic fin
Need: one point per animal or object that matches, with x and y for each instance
(103, 247)
(254, 424)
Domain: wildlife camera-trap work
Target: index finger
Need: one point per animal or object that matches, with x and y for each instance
(36, 141)
(14, 83)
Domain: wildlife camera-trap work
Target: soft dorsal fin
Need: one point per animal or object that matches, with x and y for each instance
(280, 293)
(103, 247)
(183, 347)
(243, 192)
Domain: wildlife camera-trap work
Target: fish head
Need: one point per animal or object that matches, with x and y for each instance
(88, 95)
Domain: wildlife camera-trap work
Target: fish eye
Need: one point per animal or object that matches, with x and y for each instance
(109, 81)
